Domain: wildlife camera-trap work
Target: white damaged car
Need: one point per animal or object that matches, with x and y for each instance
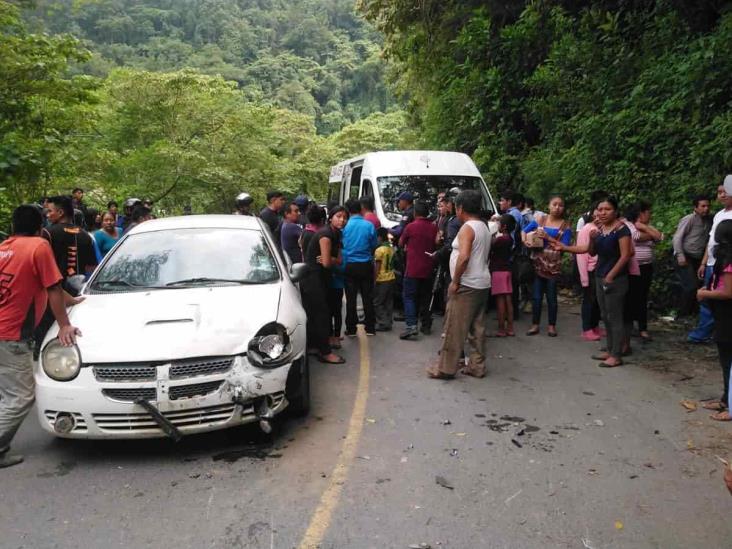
(190, 324)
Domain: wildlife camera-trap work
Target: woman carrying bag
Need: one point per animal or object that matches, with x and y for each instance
(547, 261)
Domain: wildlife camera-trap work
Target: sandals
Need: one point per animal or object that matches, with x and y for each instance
(721, 416)
(532, 332)
(500, 333)
(437, 374)
(471, 373)
(600, 356)
(324, 360)
(604, 364)
(715, 405)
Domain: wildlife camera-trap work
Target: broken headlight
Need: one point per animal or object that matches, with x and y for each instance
(61, 363)
(270, 348)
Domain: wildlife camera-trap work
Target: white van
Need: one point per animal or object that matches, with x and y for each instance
(385, 175)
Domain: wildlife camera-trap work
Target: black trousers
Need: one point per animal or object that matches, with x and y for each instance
(637, 299)
(725, 361)
(335, 304)
(314, 300)
(360, 280)
(690, 283)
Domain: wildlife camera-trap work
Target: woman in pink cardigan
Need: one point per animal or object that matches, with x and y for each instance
(586, 265)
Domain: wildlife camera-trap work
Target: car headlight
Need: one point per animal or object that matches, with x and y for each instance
(61, 363)
(270, 348)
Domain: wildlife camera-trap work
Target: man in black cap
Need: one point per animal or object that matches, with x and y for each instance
(405, 204)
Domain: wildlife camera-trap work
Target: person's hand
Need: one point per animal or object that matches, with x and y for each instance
(556, 245)
(608, 279)
(67, 335)
(700, 273)
(319, 260)
(701, 294)
(541, 233)
(681, 260)
(453, 288)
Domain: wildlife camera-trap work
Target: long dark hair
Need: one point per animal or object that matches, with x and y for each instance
(723, 249)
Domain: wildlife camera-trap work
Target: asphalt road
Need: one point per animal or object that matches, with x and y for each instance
(548, 451)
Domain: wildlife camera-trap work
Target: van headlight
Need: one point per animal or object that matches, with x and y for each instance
(61, 363)
(270, 348)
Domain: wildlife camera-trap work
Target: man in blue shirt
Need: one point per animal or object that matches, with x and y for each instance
(359, 243)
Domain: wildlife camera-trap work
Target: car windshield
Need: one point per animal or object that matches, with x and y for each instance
(187, 257)
(425, 187)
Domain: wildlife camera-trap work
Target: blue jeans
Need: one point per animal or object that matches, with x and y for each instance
(705, 327)
(546, 286)
(417, 293)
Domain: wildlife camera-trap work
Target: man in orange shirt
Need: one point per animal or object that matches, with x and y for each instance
(29, 280)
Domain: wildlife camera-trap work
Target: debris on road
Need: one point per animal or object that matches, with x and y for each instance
(420, 546)
(690, 405)
(370, 420)
(446, 422)
(587, 544)
(442, 481)
(517, 443)
(619, 525)
(509, 499)
(599, 423)
(454, 452)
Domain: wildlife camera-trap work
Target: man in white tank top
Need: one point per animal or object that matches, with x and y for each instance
(468, 292)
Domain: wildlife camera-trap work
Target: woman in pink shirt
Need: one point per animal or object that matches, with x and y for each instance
(586, 264)
(645, 238)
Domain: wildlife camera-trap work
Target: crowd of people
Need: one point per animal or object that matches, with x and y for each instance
(450, 258)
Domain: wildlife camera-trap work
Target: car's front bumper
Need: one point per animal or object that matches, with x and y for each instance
(104, 408)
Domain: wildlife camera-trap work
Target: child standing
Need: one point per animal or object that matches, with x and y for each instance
(385, 281)
(500, 267)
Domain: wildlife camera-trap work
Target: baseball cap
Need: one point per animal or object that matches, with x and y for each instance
(302, 201)
(406, 195)
(728, 185)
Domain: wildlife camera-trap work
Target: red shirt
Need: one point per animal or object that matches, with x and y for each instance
(372, 218)
(27, 268)
(419, 239)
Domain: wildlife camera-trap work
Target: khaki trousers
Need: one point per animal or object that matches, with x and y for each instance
(465, 321)
(17, 388)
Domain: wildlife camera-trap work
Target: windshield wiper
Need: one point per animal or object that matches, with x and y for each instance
(203, 280)
(124, 283)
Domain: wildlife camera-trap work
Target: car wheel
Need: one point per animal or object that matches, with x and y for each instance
(298, 387)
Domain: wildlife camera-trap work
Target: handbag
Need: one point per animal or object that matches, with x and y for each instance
(548, 262)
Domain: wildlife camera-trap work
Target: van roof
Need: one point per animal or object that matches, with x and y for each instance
(383, 163)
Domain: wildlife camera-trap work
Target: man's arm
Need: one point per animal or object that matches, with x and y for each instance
(678, 240)
(56, 300)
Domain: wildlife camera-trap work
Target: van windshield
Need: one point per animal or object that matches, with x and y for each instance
(425, 187)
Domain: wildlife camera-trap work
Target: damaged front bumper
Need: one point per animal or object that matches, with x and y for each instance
(87, 407)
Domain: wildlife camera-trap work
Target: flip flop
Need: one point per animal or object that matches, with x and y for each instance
(471, 373)
(532, 332)
(599, 356)
(721, 416)
(552, 334)
(715, 405)
(436, 374)
(340, 360)
(604, 364)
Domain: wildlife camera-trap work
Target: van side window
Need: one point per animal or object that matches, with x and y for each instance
(368, 189)
(355, 183)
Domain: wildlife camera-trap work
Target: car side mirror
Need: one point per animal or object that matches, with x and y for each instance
(298, 271)
(76, 283)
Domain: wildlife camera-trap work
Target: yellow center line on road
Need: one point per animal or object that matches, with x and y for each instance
(323, 515)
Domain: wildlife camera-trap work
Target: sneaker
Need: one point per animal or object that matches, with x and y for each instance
(410, 333)
(591, 335)
(600, 331)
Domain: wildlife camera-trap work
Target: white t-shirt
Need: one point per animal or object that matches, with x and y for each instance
(718, 218)
(477, 275)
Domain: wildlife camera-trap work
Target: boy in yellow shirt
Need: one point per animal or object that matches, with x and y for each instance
(385, 281)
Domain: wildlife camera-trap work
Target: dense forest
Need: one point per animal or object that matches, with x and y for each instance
(83, 103)
(565, 96)
(317, 57)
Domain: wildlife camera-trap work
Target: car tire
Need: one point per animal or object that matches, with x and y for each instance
(298, 388)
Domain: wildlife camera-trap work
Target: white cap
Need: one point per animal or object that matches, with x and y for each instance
(728, 185)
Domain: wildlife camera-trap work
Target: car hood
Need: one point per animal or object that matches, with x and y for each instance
(172, 324)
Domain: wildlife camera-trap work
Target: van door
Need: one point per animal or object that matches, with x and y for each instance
(354, 186)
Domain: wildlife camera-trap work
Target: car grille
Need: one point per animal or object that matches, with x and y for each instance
(125, 372)
(182, 369)
(200, 367)
(130, 395)
(198, 389)
(211, 415)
